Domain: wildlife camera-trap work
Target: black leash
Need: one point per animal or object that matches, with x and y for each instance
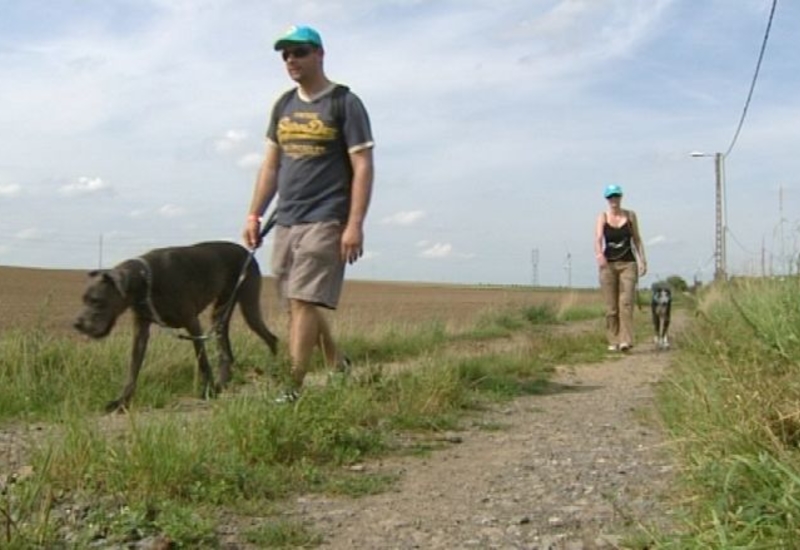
(268, 225)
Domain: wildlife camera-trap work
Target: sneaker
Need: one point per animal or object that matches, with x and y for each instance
(625, 346)
(288, 396)
(345, 365)
(613, 348)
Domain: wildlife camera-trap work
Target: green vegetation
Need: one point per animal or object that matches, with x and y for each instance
(163, 472)
(732, 404)
(182, 471)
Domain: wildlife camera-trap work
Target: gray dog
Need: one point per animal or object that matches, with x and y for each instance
(171, 287)
(661, 307)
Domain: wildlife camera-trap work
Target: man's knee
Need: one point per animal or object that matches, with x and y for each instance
(301, 306)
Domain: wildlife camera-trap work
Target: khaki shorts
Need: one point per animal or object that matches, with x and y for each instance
(307, 263)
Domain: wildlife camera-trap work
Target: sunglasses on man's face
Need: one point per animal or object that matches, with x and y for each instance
(298, 53)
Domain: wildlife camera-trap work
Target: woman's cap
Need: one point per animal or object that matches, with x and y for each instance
(611, 190)
(298, 34)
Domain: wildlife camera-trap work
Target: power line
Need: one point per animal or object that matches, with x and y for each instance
(755, 77)
(737, 241)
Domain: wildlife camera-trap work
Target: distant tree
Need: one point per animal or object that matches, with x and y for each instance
(677, 283)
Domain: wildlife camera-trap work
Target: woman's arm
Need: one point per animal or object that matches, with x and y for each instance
(598, 240)
(638, 245)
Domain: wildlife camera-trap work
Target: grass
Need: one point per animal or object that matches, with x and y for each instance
(283, 534)
(732, 404)
(181, 475)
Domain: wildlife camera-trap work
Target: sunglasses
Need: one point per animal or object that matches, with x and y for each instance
(298, 53)
(614, 197)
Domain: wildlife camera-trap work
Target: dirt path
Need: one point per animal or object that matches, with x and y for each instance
(576, 469)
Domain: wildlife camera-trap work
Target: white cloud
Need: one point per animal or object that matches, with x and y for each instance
(31, 233)
(230, 141)
(10, 190)
(438, 250)
(441, 250)
(250, 160)
(404, 218)
(658, 239)
(172, 211)
(87, 186)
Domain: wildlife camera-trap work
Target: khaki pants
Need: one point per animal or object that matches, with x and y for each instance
(618, 284)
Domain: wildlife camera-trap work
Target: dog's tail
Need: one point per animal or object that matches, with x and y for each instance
(249, 300)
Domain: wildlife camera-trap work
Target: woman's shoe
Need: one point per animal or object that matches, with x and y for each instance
(288, 396)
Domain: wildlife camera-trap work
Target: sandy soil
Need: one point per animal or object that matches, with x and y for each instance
(579, 468)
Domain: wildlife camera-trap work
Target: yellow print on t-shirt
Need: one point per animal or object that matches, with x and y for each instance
(300, 150)
(311, 129)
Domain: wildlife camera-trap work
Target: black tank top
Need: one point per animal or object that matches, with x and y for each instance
(618, 242)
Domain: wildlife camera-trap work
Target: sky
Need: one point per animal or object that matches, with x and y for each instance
(134, 124)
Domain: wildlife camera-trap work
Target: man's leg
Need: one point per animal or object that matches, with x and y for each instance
(313, 272)
(304, 333)
(333, 359)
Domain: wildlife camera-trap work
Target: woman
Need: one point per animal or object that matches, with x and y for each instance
(620, 257)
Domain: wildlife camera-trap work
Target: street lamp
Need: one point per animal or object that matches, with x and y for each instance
(720, 271)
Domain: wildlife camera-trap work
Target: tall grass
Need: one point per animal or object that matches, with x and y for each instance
(40, 373)
(732, 403)
(178, 474)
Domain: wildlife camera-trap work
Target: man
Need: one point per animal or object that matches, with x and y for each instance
(319, 161)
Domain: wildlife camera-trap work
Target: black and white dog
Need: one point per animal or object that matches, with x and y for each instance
(661, 306)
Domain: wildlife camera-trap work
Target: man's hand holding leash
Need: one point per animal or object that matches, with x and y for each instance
(254, 233)
(251, 231)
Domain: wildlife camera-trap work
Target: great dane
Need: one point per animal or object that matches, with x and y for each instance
(661, 306)
(172, 287)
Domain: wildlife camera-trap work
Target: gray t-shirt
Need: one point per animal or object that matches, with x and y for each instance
(314, 137)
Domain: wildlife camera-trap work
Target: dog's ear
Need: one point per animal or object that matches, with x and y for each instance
(118, 279)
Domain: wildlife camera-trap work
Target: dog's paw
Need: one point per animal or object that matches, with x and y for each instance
(210, 391)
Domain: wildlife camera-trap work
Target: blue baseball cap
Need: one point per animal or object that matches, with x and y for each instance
(611, 190)
(298, 34)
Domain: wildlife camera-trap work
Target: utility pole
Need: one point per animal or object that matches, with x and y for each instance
(100, 253)
(783, 263)
(720, 229)
(568, 269)
(535, 267)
